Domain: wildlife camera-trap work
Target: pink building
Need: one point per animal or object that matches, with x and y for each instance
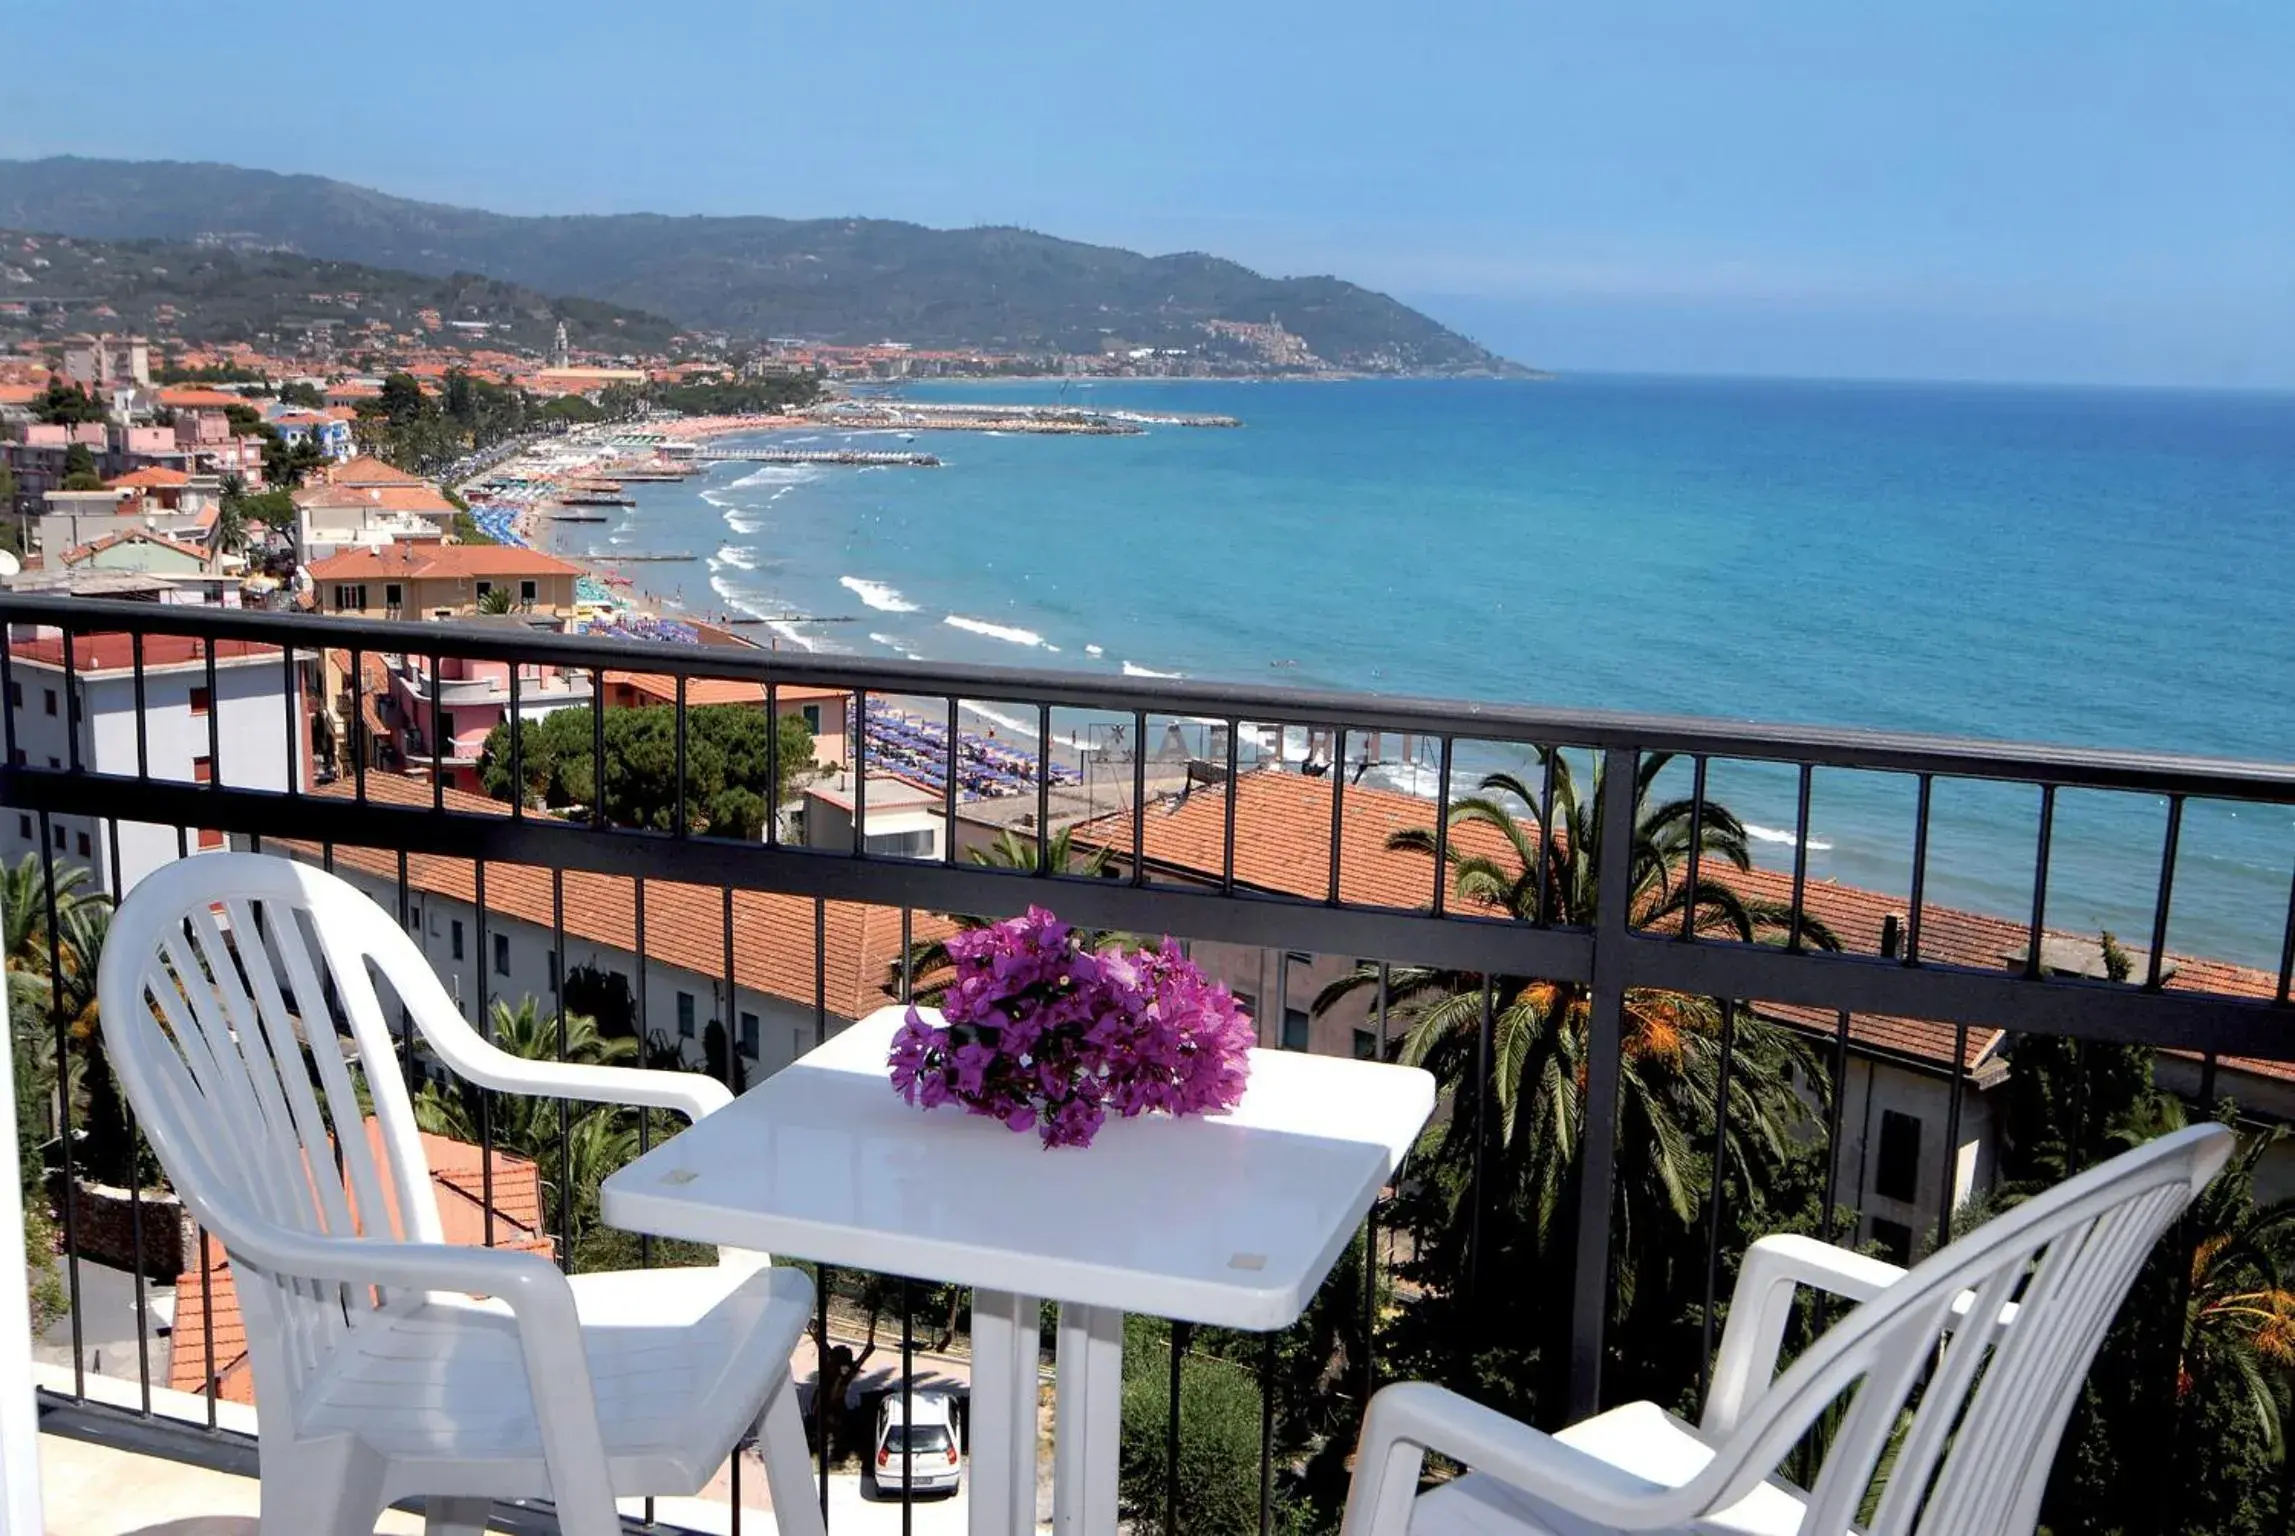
(471, 698)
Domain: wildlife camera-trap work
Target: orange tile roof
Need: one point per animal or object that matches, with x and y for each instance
(436, 561)
(81, 552)
(457, 1177)
(1282, 845)
(151, 477)
(366, 469)
(719, 690)
(199, 399)
(772, 933)
(388, 498)
(115, 652)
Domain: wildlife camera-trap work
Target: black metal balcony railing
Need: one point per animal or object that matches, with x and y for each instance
(1610, 956)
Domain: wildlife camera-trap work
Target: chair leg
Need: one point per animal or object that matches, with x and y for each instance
(789, 1467)
(455, 1517)
(333, 1488)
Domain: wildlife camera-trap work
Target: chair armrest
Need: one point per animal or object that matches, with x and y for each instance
(692, 1094)
(1774, 1268)
(549, 1337)
(1411, 1418)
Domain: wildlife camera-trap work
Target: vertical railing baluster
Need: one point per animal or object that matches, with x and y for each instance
(1605, 1030)
(2161, 905)
(861, 773)
(355, 734)
(1951, 1185)
(135, 1183)
(681, 820)
(1692, 881)
(2033, 967)
(598, 747)
(485, 1022)
(820, 971)
(1485, 1054)
(1232, 788)
(291, 686)
(821, 1277)
(142, 731)
(438, 743)
(907, 955)
(405, 1014)
(1717, 1196)
(1178, 1343)
(1044, 791)
(68, 1182)
(8, 693)
(1919, 893)
(733, 1072)
(1371, 1233)
(1547, 759)
(1833, 1121)
(517, 732)
(1800, 857)
(1442, 830)
(948, 789)
(645, 1051)
(1139, 797)
(211, 1388)
(907, 1406)
(72, 707)
(565, 1109)
(1338, 775)
(1266, 1434)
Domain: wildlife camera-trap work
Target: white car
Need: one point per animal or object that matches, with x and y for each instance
(925, 1440)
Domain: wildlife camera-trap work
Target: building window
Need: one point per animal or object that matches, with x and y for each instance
(811, 712)
(1294, 1029)
(455, 934)
(59, 836)
(1895, 1240)
(749, 1035)
(24, 827)
(1298, 957)
(51, 699)
(485, 589)
(201, 701)
(203, 770)
(1366, 1045)
(1248, 1002)
(552, 958)
(527, 592)
(393, 595)
(1896, 1169)
(350, 595)
(501, 954)
(80, 841)
(685, 1015)
(16, 695)
(209, 837)
(902, 845)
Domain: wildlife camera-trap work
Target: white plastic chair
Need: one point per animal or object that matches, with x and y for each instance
(379, 1373)
(1973, 1457)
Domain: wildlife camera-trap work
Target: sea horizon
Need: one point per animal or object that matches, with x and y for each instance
(2076, 565)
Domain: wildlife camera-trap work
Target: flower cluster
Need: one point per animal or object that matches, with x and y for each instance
(1049, 1036)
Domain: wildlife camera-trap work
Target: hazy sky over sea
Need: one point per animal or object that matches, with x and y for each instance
(2053, 189)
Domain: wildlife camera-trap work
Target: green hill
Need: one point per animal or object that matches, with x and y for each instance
(839, 280)
(206, 292)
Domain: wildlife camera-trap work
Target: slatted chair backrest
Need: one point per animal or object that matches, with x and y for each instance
(1969, 1365)
(226, 983)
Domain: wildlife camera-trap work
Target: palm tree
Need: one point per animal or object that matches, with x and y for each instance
(598, 1138)
(928, 966)
(1540, 1030)
(2239, 1318)
(496, 600)
(24, 923)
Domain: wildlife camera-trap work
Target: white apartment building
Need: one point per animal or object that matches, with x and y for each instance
(237, 734)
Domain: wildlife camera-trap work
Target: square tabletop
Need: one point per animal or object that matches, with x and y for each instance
(1230, 1219)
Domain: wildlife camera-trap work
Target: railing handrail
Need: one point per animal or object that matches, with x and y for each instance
(2066, 766)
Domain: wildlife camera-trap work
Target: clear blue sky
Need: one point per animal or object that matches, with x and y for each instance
(2043, 189)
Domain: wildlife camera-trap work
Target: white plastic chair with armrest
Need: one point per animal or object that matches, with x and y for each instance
(1973, 1456)
(379, 1372)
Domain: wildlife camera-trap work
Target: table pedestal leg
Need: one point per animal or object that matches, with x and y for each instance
(1003, 1417)
(1087, 1421)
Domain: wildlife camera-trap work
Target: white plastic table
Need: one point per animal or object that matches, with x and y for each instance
(1232, 1221)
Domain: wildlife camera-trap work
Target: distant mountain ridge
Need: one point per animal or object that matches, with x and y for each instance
(220, 291)
(849, 281)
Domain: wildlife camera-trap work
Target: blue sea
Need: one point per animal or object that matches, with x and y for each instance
(2106, 567)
